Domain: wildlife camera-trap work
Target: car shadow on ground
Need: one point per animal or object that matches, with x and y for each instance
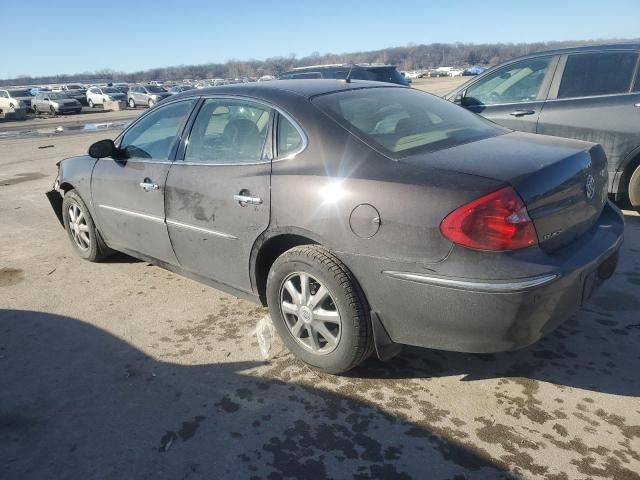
(78, 402)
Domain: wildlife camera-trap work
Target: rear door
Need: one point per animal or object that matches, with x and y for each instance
(592, 98)
(513, 95)
(218, 195)
(128, 193)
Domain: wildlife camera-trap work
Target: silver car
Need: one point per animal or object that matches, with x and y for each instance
(147, 95)
(54, 103)
(13, 98)
(99, 95)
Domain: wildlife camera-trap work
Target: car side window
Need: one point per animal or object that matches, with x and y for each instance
(516, 83)
(156, 135)
(590, 74)
(4, 94)
(289, 139)
(228, 131)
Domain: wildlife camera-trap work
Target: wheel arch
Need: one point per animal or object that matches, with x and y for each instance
(269, 246)
(623, 174)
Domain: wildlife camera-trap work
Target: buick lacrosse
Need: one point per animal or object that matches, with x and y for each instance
(365, 215)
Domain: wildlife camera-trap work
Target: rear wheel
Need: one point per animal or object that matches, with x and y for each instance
(319, 310)
(35, 110)
(634, 189)
(52, 111)
(81, 230)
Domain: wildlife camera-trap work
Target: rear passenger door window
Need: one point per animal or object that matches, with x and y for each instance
(592, 74)
(228, 131)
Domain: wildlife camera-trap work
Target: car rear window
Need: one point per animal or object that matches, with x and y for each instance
(590, 74)
(400, 122)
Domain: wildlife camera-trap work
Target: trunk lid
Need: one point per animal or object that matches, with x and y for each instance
(563, 182)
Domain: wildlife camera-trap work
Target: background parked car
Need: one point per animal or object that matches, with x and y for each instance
(179, 89)
(99, 95)
(147, 95)
(75, 91)
(121, 87)
(13, 98)
(376, 73)
(54, 103)
(587, 93)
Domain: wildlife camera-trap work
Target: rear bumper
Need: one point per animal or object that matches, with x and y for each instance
(427, 309)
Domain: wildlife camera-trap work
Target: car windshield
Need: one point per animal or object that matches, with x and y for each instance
(74, 87)
(20, 93)
(401, 122)
(57, 96)
(154, 89)
(110, 90)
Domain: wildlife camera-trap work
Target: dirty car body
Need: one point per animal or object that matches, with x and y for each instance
(458, 234)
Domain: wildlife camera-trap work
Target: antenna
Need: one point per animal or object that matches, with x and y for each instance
(348, 79)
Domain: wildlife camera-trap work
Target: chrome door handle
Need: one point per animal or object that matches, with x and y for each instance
(148, 186)
(247, 199)
(520, 113)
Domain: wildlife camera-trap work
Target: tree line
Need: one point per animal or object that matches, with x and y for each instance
(409, 57)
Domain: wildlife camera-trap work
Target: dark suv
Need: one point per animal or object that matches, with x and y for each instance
(362, 71)
(587, 93)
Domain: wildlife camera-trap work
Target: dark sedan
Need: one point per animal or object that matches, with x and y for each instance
(365, 215)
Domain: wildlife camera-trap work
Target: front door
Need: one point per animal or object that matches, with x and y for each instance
(128, 194)
(217, 197)
(514, 95)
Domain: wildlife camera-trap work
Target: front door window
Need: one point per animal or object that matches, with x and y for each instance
(517, 83)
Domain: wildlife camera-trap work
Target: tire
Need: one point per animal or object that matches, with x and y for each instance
(132, 103)
(12, 107)
(151, 103)
(634, 189)
(86, 242)
(91, 105)
(352, 334)
(52, 111)
(35, 110)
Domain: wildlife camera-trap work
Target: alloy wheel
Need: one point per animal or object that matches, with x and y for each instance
(78, 227)
(310, 313)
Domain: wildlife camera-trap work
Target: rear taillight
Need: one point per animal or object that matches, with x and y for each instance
(498, 221)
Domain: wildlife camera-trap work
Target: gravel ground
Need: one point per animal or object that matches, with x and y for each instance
(124, 370)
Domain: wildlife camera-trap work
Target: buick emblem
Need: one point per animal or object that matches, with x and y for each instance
(590, 187)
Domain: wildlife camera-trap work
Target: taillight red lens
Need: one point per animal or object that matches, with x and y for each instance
(498, 221)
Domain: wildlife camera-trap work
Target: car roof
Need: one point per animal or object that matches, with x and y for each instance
(305, 88)
(585, 48)
(341, 65)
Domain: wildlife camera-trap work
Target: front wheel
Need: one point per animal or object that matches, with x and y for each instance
(91, 103)
(319, 309)
(81, 230)
(35, 110)
(132, 103)
(634, 189)
(52, 111)
(151, 103)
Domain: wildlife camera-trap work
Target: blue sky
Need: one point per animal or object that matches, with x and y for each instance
(68, 37)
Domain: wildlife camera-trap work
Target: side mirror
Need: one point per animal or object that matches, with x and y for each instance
(459, 98)
(102, 149)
